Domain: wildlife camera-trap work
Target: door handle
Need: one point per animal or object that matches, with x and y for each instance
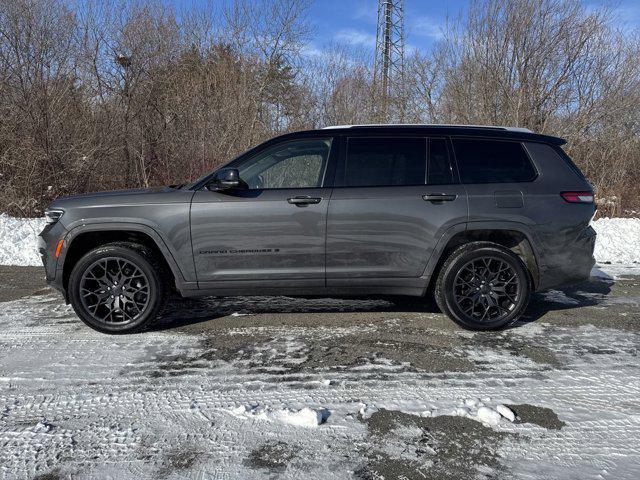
(439, 197)
(304, 201)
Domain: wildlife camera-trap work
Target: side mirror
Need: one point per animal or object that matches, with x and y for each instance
(226, 179)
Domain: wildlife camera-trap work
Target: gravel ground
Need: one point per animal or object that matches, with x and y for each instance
(399, 386)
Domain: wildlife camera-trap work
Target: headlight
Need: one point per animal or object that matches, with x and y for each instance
(53, 216)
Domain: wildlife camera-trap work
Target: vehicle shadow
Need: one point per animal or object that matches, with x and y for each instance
(181, 312)
(586, 294)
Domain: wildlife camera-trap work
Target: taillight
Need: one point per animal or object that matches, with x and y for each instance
(577, 197)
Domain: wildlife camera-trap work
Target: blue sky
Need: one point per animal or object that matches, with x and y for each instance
(353, 22)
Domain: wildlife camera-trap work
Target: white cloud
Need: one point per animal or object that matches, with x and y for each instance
(356, 37)
(311, 50)
(427, 27)
(366, 11)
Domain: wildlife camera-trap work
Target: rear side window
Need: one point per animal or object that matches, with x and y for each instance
(492, 161)
(372, 162)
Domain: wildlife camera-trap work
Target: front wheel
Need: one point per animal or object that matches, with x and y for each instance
(483, 286)
(117, 288)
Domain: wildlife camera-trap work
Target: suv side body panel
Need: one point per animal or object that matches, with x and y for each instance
(558, 231)
(566, 240)
(265, 236)
(162, 214)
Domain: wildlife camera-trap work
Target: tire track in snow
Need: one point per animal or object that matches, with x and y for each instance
(88, 402)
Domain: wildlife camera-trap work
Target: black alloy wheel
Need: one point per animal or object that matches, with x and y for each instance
(486, 288)
(118, 288)
(114, 290)
(483, 286)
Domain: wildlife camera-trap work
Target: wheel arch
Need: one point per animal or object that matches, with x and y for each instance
(81, 240)
(515, 237)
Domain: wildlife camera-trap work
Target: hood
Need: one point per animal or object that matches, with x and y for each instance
(113, 197)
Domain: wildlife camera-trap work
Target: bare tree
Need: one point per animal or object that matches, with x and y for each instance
(110, 94)
(551, 65)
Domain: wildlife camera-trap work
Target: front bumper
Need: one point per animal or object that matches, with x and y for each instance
(47, 243)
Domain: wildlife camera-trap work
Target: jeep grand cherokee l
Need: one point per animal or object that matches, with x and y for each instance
(481, 216)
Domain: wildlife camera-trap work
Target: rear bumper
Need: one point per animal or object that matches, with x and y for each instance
(573, 264)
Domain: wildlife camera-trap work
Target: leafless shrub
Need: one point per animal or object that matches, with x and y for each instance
(111, 94)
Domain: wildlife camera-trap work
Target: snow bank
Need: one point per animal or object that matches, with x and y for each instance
(618, 240)
(18, 240)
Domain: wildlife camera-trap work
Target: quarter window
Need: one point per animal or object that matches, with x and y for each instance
(492, 161)
(439, 171)
(385, 162)
(294, 164)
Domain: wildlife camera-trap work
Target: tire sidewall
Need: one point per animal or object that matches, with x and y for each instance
(128, 254)
(465, 257)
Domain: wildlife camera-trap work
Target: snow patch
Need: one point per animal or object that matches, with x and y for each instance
(506, 412)
(488, 415)
(616, 271)
(480, 409)
(304, 417)
(557, 296)
(367, 410)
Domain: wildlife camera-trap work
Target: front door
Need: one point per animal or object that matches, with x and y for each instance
(272, 230)
(393, 199)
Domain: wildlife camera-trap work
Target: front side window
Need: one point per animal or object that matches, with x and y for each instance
(372, 162)
(492, 161)
(294, 164)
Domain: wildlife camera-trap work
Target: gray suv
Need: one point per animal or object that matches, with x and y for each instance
(479, 217)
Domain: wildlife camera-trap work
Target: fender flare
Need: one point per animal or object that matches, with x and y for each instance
(98, 226)
(443, 241)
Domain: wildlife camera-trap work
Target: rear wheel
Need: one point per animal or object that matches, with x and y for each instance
(117, 288)
(483, 286)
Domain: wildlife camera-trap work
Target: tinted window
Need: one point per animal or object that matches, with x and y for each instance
(385, 161)
(492, 161)
(439, 171)
(295, 164)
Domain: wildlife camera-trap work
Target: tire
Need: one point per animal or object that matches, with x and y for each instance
(129, 304)
(483, 286)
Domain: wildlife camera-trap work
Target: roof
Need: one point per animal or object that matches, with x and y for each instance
(514, 133)
(430, 125)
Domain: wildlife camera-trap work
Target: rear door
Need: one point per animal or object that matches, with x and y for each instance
(393, 199)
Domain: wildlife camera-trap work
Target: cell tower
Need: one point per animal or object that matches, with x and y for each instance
(389, 64)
